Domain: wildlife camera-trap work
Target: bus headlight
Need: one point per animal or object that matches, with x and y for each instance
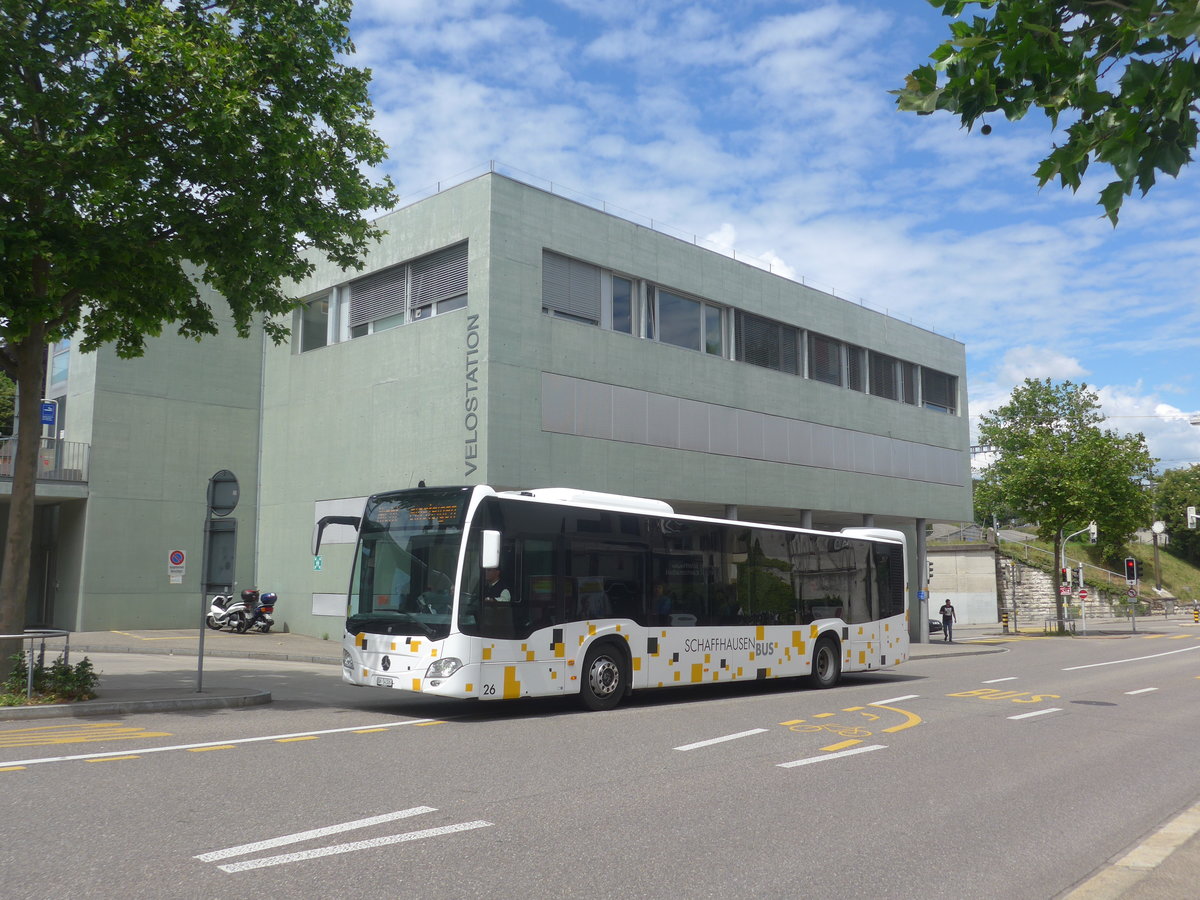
(444, 667)
(347, 660)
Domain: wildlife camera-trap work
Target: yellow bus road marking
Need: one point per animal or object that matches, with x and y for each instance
(842, 746)
(73, 734)
(435, 722)
(824, 715)
(206, 749)
(112, 758)
(12, 769)
(1150, 637)
(910, 719)
(254, 740)
(798, 721)
(1181, 637)
(291, 740)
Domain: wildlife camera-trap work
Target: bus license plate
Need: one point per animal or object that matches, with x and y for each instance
(380, 681)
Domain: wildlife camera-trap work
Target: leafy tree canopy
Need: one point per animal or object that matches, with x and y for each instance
(148, 143)
(1124, 71)
(1055, 466)
(1177, 489)
(8, 392)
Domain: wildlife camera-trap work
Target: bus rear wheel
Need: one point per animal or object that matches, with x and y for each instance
(604, 677)
(826, 665)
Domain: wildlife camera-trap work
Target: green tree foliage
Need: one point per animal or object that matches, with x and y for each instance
(1055, 466)
(8, 393)
(1177, 489)
(145, 141)
(1124, 73)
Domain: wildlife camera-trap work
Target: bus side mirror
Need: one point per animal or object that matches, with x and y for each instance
(322, 523)
(491, 550)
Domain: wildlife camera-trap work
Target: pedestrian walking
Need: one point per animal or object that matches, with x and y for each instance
(948, 620)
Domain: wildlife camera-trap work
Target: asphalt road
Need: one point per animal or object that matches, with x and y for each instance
(1013, 775)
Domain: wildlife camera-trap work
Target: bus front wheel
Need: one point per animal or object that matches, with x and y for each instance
(826, 665)
(604, 677)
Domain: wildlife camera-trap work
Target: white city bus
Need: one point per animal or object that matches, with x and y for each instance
(470, 592)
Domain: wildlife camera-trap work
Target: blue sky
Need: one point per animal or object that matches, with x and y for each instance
(767, 129)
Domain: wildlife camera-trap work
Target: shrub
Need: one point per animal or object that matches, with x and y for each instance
(58, 683)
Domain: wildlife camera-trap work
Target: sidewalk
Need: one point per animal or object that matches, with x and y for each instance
(176, 642)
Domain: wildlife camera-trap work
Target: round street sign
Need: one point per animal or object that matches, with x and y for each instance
(1132, 592)
(223, 493)
(1083, 593)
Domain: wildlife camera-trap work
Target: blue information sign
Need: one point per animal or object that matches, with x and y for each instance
(49, 412)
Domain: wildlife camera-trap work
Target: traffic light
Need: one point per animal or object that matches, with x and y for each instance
(1191, 513)
(1064, 575)
(929, 563)
(1131, 570)
(1093, 533)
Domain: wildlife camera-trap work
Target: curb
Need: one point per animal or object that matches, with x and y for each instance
(225, 654)
(1117, 878)
(125, 707)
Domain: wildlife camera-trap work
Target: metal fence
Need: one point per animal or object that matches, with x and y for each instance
(57, 460)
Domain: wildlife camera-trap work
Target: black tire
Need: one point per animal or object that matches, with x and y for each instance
(264, 627)
(212, 623)
(826, 664)
(237, 623)
(605, 677)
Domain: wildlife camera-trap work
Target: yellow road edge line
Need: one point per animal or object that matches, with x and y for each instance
(798, 721)
(111, 759)
(206, 749)
(12, 768)
(370, 731)
(842, 746)
(307, 737)
(423, 724)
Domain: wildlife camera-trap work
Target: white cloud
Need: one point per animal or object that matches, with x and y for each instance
(773, 135)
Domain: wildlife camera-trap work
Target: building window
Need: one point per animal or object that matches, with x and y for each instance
(679, 320)
(314, 323)
(433, 284)
(767, 343)
(570, 288)
(908, 381)
(824, 359)
(438, 282)
(884, 382)
(939, 391)
(714, 330)
(622, 305)
(60, 360)
(856, 368)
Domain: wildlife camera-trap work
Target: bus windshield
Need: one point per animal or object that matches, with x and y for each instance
(404, 570)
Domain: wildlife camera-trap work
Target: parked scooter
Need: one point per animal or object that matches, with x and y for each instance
(258, 611)
(226, 612)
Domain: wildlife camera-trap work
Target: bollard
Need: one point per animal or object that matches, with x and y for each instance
(1004, 620)
(1196, 614)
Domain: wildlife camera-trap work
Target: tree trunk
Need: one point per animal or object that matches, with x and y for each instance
(30, 354)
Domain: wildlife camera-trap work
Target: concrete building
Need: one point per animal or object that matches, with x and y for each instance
(499, 333)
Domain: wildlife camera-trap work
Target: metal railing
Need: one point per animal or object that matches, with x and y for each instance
(57, 460)
(35, 634)
(1097, 575)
